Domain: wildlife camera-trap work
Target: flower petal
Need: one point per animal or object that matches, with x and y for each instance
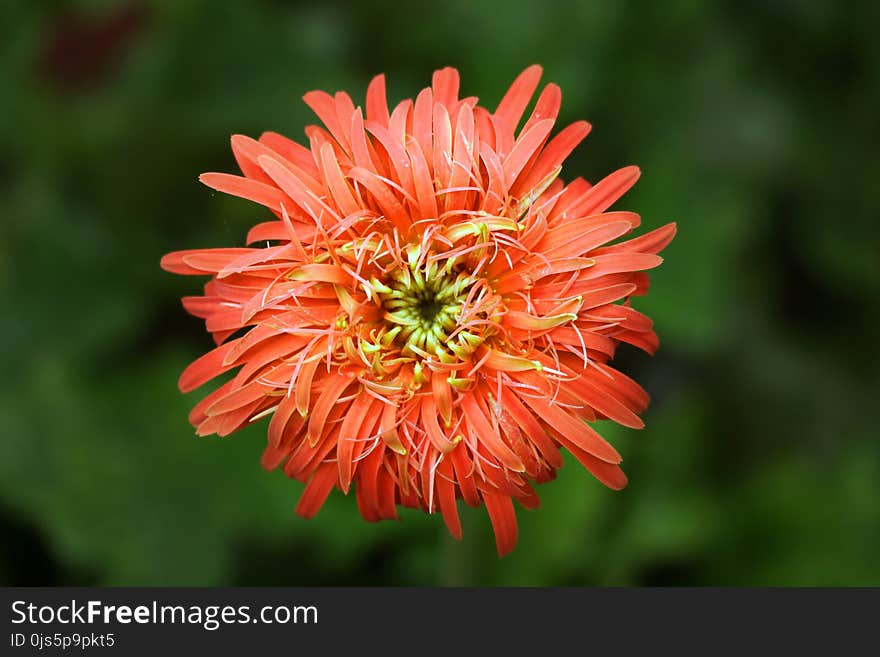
(324, 105)
(572, 429)
(205, 368)
(503, 518)
(514, 102)
(317, 491)
(525, 146)
(446, 497)
(245, 188)
(377, 103)
(445, 83)
(351, 437)
(604, 193)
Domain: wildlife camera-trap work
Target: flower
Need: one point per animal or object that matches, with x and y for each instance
(433, 311)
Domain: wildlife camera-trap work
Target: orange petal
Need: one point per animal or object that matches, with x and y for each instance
(442, 392)
(528, 143)
(377, 103)
(608, 294)
(503, 518)
(293, 152)
(317, 491)
(422, 183)
(583, 390)
(335, 385)
(503, 362)
(396, 153)
(388, 490)
(360, 148)
(487, 434)
(400, 123)
(569, 335)
(205, 368)
(302, 390)
(203, 307)
(529, 425)
(323, 273)
(529, 322)
(267, 231)
(463, 158)
(442, 153)
(429, 422)
(385, 197)
(336, 183)
(445, 84)
(240, 397)
(324, 105)
(496, 187)
(446, 497)
(652, 242)
(613, 263)
(201, 261)
(197, 414)
(514, 102)
(352, 438)
(296, 189)
(604, 193)
(284, 421)
(579, 236)
(553, 155)
(388, 428)
(546, 107)
(609, 474)
(464, 476)
(245, 188)
(572, 429)
(368, 483)
(423, 128)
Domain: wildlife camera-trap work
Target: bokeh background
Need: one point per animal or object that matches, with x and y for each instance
(756, 127)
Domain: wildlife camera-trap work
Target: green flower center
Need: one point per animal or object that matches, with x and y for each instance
(425, 306)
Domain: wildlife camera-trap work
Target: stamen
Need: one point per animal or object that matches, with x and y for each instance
(425, 302)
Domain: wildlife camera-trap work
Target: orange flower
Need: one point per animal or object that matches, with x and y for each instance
(433, 311)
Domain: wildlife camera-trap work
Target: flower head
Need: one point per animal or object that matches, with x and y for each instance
(432, 312)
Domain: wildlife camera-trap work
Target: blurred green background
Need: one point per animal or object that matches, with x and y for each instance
(755, 124)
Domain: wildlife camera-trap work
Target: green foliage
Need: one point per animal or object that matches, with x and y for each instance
(755, 127)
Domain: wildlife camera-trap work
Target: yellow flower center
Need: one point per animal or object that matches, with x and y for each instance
(426, 305)
(423, 305)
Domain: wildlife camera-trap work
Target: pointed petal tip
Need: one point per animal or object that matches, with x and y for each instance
(210, 178)
(174, 263)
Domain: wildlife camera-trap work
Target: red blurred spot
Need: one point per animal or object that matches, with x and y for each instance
(83, 51)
